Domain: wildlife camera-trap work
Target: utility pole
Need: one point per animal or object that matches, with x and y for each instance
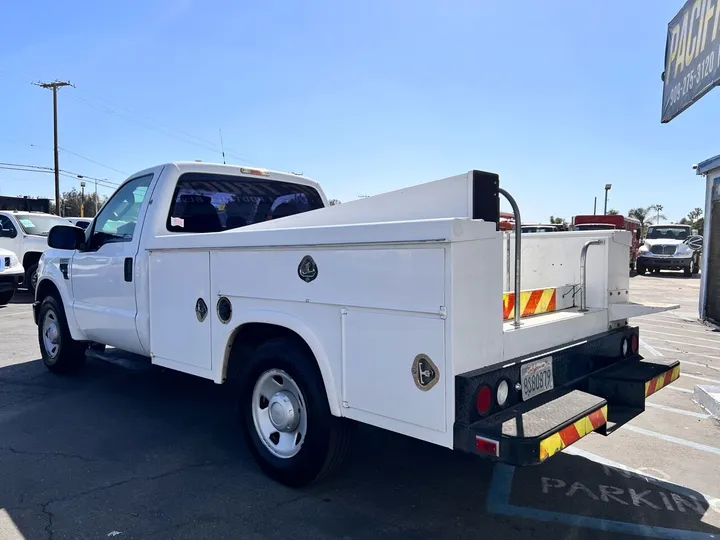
(54, 87)
(595, 207)
(82, 199)
(607, 188)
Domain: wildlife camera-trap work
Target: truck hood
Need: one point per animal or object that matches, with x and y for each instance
(35, 243)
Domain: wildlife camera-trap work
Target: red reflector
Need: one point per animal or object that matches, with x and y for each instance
(634, 344)
(484, 400)
(487, 446)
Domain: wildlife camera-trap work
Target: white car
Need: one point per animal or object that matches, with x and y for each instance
(12, 274)
(25, 234)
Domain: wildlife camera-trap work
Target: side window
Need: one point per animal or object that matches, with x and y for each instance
(116, 221)
(7, 225)
(212, 202)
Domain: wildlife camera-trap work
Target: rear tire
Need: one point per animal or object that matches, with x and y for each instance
(641, 269)
(31, 277)
(304, 442)
(60, 352)
(687, 271)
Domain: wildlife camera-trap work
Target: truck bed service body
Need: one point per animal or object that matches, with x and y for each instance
(395, 310)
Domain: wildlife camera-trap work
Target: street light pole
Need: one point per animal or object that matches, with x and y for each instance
(82, 199)
(607, 188)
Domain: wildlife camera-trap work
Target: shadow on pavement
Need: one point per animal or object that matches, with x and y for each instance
(158, 455)
(22, 296)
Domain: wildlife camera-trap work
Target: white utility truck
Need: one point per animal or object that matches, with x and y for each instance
(25, 234)
(11, 275)
(390, 310)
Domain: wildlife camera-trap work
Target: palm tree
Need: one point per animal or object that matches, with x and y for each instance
(657, 208)
(640, 214)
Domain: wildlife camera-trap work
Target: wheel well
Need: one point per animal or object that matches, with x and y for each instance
(31, 258)
(249, 336)
(47, 288)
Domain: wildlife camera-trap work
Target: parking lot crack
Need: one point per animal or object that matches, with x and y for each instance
(49, 527)
(53, 454)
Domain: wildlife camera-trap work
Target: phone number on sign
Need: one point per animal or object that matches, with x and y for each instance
(694, 78)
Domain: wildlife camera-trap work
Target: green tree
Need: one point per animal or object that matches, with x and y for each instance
(333, 202)
(70, 203)
(657, 209)
(613, 212)
(556, 220)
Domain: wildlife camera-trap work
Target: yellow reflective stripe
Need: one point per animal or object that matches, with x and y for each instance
(545, 301)
(552, 445)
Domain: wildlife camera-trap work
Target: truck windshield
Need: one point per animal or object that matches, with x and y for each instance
(212, 202)
(39, 224)
(670, 233)
(594, 227)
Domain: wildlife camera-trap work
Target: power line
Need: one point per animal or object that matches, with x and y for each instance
(92, 161)
(70, 174)
(198, 141)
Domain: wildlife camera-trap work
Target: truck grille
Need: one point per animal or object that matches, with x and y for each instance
(663, 250)
(7, 262)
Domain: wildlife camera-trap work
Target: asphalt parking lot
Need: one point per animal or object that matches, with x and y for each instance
(117, 453)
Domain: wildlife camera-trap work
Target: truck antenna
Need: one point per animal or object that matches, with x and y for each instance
(222, 146)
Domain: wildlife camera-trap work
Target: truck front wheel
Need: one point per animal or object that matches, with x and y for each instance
(286, 416)
(60, 352)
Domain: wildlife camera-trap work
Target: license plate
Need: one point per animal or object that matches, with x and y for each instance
(536, 377)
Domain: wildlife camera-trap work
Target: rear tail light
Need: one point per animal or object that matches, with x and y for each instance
(487, 446)
(625, 348)
(484, 400)
(634, 343)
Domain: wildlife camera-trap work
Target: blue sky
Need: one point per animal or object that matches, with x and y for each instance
(558, 97)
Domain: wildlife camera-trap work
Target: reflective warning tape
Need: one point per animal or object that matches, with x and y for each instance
(661, 381)
(531, 302)
(574, 432)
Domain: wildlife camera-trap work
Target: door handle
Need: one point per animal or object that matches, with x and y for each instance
(128, 269)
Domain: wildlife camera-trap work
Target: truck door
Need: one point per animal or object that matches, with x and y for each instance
(103, 275)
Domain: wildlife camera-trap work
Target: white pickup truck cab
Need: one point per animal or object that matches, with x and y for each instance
(390, 310)
(25, 234)
(11, 275)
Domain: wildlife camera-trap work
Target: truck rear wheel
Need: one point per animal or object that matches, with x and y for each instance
(641, 269)
(60, 352)
(286, 416)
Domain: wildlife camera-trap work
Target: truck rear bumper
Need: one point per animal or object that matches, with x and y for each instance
(530, 432)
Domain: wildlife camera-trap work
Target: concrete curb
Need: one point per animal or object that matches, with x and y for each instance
(708, 397)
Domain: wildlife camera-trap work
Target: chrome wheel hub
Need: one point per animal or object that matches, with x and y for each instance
(278, 411)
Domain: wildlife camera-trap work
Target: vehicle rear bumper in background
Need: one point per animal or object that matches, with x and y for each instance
(611, 390)
(668, 263)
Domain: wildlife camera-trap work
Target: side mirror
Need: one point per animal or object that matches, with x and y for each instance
(66, 237)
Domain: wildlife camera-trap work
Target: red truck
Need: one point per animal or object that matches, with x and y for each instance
(599, 222)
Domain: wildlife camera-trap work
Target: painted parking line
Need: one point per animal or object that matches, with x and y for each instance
(650, 349)
(684, 343)
(678, 389)
(716, 340)
(675, 440)
(498, 502)
(678, 351)
(674, 410)
(695, 330)
(706, 379)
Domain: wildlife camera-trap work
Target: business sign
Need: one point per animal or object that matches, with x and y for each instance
(692, 56)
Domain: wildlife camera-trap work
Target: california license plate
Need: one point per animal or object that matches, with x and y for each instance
(536, 377)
